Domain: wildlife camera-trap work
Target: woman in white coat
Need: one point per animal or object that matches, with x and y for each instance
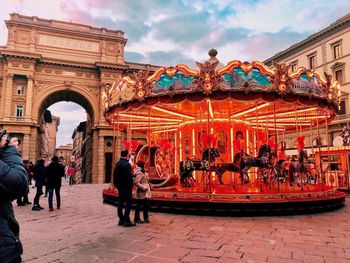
(143, 192)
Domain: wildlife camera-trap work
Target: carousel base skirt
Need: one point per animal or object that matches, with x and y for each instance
(251, 199)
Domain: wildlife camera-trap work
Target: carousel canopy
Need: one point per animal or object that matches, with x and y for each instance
(240, 92)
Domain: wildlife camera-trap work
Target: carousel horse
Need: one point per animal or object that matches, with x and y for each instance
(242, 162)
(302, 169)
(262, 161)
(205, 164)
(282, 168)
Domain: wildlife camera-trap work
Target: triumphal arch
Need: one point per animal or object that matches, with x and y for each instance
(47, 61)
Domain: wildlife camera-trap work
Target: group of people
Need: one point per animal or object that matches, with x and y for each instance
(124, 178)
(44, 174)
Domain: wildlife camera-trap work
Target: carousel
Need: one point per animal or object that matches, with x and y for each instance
(213, 138)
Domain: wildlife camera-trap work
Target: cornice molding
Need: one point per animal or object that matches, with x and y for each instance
(18, 54)
(103, 65)
(337, 65)
(133, 66)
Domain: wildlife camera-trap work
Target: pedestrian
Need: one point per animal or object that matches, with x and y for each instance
(40, 178)
(31, 173)
(143, 192)
(24, 200)
(13, 183)
(55, 172)
(123, 181)
(70, 172)
(46, 163)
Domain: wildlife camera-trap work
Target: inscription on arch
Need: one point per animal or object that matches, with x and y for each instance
(69, 43)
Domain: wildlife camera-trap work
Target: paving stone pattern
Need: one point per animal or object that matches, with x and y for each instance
(86, 230)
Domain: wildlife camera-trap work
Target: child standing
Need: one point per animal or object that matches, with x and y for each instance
(143, 192)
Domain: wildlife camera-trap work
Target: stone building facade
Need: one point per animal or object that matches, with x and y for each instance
(49, 134)
(325, 51)
(64, 152)
(47, 61)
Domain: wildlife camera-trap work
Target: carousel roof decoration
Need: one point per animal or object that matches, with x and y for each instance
(254, 82)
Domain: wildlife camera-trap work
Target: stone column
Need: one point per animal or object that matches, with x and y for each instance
(32, 41)
(11, 37)
(95, 154)
(103, 51)
(33, 149)
(101, 120)
(120, 53)
(29, 98)
(3, 97)
(26, 147)
(8, 97)
(101, 161)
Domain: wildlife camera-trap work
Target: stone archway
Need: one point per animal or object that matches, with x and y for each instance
(83, 97)
(55, 93)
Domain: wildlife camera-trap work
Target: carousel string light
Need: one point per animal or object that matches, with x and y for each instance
(152, 127)
(281, 113)
(147, 117)
(211, 113)
(172, 112)
(293, 119)
(250, 110)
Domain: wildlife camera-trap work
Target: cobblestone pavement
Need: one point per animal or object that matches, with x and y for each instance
(85, 230)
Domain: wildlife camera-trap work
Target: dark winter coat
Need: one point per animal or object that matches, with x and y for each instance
(122, 175)
(13, 184)
(40, 175)
(55, 172)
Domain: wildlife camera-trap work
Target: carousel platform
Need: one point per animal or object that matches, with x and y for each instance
(253, 199)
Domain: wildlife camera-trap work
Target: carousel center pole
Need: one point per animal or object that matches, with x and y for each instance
(276, 142)
(331, 176)
(113, 151)
(232, 183)
(208, 183)
(149, 141)
(319, 150)
(117, 139)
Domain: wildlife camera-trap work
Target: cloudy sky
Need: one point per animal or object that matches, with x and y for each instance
(167, 33)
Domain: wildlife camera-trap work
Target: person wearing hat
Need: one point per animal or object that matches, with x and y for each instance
(143, 192)
(123, 181)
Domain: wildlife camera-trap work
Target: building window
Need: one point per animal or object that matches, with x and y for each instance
(312, 61)
(294, 66)
(342, 108)
(339, 75)
(19, 111)
(336, 49)
(20, 90)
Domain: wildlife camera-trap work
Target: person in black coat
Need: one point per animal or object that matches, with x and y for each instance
(23, 200)
(123, 181)
(13, 184)
(55, 172)
(39, 171)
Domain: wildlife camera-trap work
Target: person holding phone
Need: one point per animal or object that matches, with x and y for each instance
(13, 183)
